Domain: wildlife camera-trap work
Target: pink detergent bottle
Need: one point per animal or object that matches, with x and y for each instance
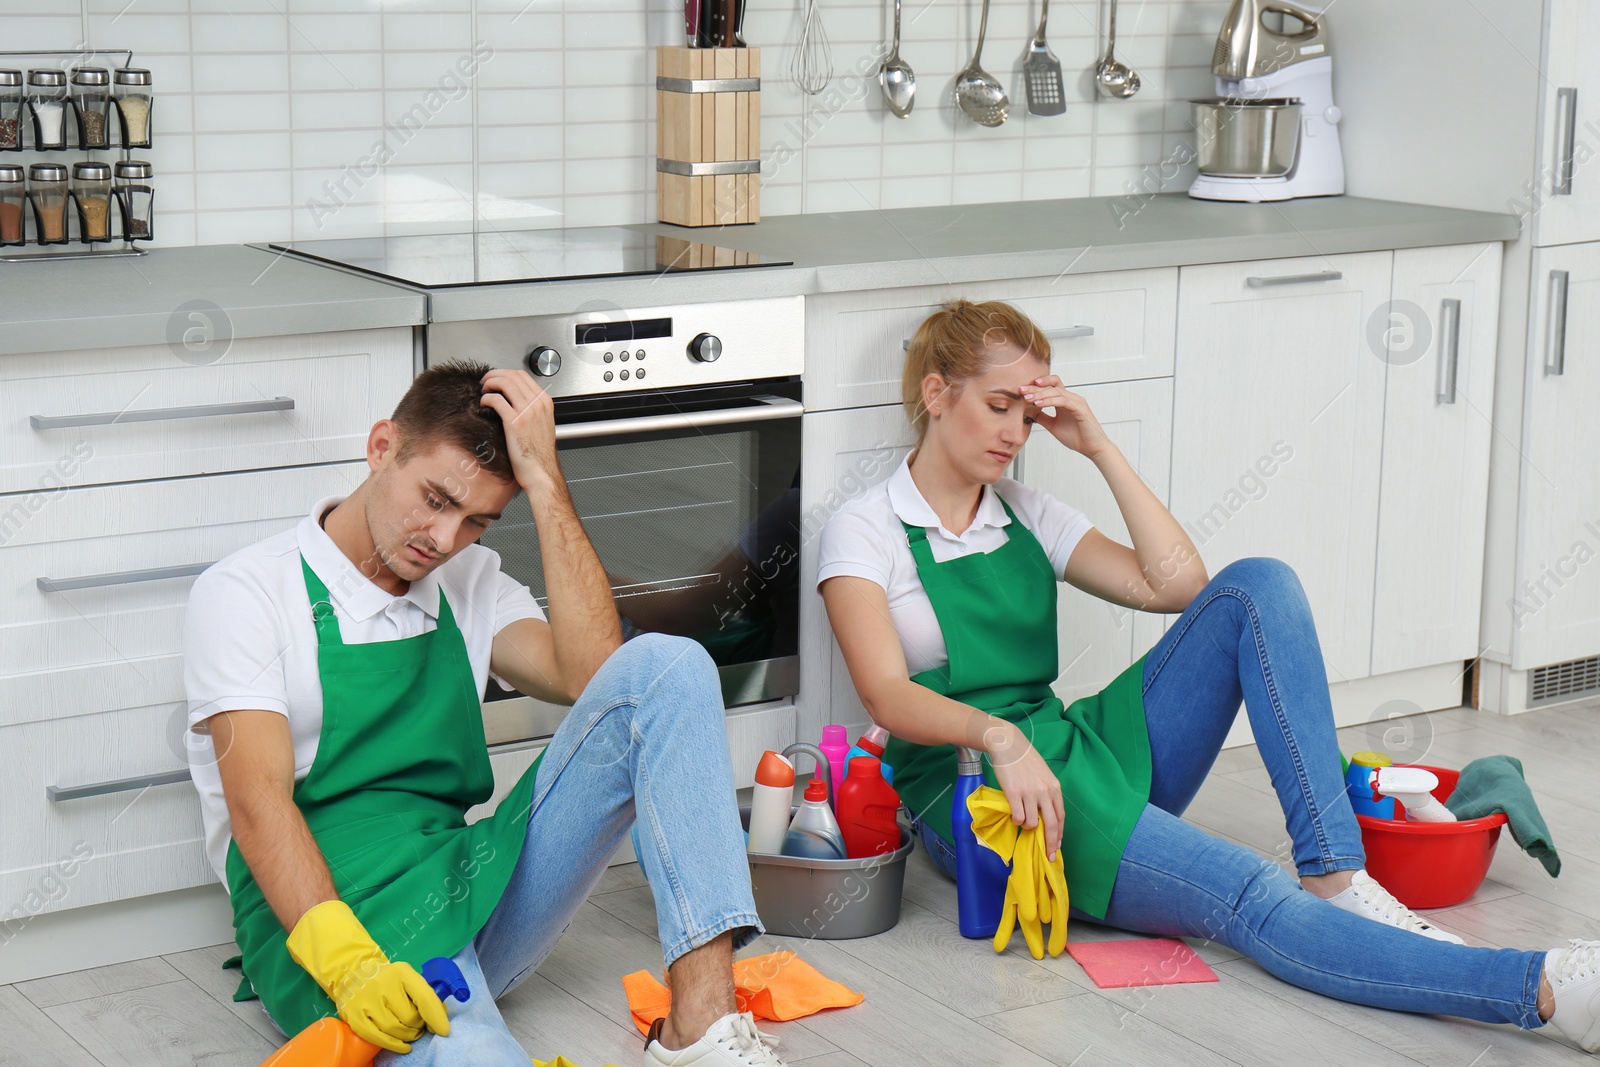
(836, 746)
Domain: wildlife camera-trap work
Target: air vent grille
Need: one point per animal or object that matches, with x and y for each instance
(1562, 681)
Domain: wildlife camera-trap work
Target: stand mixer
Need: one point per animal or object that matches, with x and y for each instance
(1273, 134)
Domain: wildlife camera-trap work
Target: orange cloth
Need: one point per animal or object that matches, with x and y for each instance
(778, 986)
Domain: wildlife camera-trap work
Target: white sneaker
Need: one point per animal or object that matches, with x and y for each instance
(1366, 898)
(1574, 974)
(732, 1041)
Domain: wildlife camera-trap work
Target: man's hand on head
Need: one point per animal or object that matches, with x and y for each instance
(528, 415)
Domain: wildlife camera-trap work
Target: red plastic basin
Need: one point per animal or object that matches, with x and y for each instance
(1430, 864)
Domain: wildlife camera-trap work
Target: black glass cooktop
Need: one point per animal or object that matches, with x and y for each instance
(438, 261)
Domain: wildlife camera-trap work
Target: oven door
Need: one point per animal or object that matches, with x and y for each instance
(691, 498)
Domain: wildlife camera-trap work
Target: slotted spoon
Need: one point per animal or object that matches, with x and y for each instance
(1042, 73)
(980, 95)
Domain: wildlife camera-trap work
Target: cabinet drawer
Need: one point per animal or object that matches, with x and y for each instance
(117, 845)
(100, 576)
(124, 414)
(1102, 327)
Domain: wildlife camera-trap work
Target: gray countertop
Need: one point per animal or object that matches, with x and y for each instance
(50, 307)
(152, 299)
(846, 251)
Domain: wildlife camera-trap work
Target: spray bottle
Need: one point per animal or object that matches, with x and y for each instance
(836, 745)
(1413, 787)
(329, 1042)
(980, 872)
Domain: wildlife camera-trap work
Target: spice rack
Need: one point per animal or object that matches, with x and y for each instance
(108, 215)
(708, 135)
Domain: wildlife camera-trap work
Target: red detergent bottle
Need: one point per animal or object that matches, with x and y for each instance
(867, 807)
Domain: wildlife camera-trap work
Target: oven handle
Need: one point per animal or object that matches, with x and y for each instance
(772, 407)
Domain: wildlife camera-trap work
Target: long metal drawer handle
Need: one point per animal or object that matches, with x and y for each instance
(1566, 139)
(58, 793)
(772, 407)
(197, 411)
(1449, 349)
(1257, 282)
(95, 581)
(1066, 333)
(1556, 344)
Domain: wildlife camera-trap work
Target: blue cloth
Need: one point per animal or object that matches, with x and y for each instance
(1249, 636)
(640, 746)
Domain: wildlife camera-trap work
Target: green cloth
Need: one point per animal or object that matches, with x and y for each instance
(997, 613)
(400, 760)
(1495, 783)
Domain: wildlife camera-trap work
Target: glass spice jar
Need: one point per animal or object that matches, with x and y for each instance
(131, 92)
(47, 190)
(47, 99)
(11, 110)
(135, 199)
(91, 101)
(91, 191)
(13, 197)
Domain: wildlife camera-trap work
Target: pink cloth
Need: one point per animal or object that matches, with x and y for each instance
(1141, 961)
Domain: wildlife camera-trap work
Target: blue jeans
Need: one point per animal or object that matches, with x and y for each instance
(1249, 636)
(645, 744)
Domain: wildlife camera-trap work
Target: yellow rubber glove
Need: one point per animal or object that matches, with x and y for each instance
(1036, 890)
(388, 1004)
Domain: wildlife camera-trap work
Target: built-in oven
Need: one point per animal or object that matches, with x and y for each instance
(679, 433)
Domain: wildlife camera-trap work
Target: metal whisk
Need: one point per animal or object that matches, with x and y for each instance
(811, 66)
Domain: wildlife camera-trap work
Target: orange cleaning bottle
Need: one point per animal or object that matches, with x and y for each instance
(329, 1042)
(867, 808)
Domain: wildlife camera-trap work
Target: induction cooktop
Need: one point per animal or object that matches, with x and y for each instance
(502, 257)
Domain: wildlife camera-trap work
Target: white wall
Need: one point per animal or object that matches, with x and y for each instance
(268, 111)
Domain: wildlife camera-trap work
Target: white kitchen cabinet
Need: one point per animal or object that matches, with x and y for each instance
(1277, 429)
(91, 672)
(1555, 605)
(1436, 431)
(1099, 639)
(846, 453)
(125, 414)
(1102, 327)
(1569, 141)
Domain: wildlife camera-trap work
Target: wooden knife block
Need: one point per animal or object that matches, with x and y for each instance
(708, 142)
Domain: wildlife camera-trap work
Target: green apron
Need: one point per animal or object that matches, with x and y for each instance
(997, 611)
(400, 759)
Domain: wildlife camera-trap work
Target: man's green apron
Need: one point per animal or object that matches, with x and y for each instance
(997, 611)
(401, 757)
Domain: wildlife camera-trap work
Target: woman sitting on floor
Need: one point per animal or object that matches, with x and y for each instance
(940, 585)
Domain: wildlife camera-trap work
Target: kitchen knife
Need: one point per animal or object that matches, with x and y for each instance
(738, 22)
(729, 18)
(691, 21)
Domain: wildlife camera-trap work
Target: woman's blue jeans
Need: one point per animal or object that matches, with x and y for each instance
(1248, 636)
(645, 744)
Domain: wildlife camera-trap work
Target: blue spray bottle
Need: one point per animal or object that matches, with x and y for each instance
(980, 873)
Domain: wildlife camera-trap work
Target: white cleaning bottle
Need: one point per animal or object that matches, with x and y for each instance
(815, 834)
(770, 803)
(1413, 787)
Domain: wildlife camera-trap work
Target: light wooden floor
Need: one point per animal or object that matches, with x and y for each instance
(933, 997)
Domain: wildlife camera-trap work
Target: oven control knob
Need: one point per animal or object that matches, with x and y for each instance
(544, 361)
(705, 348)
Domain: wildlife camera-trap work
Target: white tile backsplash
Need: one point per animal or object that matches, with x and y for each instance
(533, 113)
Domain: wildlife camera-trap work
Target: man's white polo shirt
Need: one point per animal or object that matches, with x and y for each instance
(248, 641)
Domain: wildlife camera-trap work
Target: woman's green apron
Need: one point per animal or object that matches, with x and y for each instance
(997, 611)
(400, 759)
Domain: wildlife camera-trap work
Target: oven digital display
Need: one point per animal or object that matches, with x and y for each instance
(604, 333)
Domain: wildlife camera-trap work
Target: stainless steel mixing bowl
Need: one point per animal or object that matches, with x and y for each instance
(1245, 138)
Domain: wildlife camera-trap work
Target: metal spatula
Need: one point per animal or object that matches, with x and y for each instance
(1042, 71)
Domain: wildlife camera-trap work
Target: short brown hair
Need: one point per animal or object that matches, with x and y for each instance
(443, 407)
(956, 343)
